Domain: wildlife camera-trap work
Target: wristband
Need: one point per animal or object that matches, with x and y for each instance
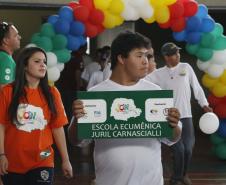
(2, 154)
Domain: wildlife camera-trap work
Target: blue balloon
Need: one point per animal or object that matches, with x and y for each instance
(193, 37)
(62, 26)
(73, 43)
(180, 36)
(193, 24)
(222, 128)
(66, 12)
(207, 25)
(202, 11)
(77, 28)
(53, 19)
(82, 40)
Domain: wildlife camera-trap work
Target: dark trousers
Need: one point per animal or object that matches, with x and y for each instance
(182, 150)
(38, 176)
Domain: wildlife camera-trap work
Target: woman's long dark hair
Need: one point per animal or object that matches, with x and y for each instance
(20, 83)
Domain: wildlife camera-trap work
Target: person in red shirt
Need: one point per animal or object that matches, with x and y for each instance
(32, 116)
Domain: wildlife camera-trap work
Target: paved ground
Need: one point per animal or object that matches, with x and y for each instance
(206, 169)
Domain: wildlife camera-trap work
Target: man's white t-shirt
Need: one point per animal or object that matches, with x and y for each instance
(180, 79)
(128, 161)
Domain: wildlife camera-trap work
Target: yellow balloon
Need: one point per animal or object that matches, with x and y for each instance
(116, 7)
(150, 20)
(223, 78)
(157, 3)
(118, 20)
(110, 20)
(51, 83)
(219, 90)
(170, 2)
(102, 4)
(162, 14)
(208, 81)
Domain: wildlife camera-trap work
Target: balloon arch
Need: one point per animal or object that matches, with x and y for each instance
(188, 20)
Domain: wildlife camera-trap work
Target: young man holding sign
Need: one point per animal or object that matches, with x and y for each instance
(128, 161)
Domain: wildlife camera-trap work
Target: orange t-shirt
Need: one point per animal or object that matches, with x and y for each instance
(28, 144)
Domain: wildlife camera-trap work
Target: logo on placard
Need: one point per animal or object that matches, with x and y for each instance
(97, 114)
(123, 109)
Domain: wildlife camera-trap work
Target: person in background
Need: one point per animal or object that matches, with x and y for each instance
(9, 42)
(113, 165)
(32, 117)
(180, 77)
(90, 68)
(70, 80)
(105, 70)
(151, 61)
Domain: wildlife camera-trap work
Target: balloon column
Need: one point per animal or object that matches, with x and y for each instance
(188, 20)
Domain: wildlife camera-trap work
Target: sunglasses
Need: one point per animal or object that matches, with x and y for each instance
(4, 28)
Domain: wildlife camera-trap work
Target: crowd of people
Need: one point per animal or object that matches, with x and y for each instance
(33, 117)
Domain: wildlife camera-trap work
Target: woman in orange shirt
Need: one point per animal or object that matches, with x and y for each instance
(32, 116)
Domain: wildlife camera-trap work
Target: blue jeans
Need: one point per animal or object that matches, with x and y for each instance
(182, 150)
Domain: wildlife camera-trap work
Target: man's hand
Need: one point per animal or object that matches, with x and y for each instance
(173, 117)
(207, 109)
(78, 109)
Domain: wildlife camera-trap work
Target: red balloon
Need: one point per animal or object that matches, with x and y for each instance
(87, 3)
(176, 10)
(96, 16)
(73, 4)
(165, 25)
(100, 29)
(178, 25)
(220, 110)
(190, 8)
(213, 100)
(90, 30)
(81, 13)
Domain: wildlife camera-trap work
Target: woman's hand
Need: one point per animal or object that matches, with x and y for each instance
(3, 164)
(67, 169)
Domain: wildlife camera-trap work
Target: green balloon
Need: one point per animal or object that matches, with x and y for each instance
(47, 30)
(63, 55)
(218, 30)
(207, 40)
(45, 43)
(220, 151)
(220, 43)
(59, 42)
(192, 48)
(35, 37)
(216, 139)
(204, 54)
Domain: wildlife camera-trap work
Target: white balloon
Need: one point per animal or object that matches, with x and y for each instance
(137, 3)
(51, 59)
(203, 66)
(215, 70)
(130, 14)
(219, 57)
(30, 45)
(146, 12)
(53, 74)
(209, 123)
(60, 66)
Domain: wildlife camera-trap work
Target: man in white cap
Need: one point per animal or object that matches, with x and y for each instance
(180, 77)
